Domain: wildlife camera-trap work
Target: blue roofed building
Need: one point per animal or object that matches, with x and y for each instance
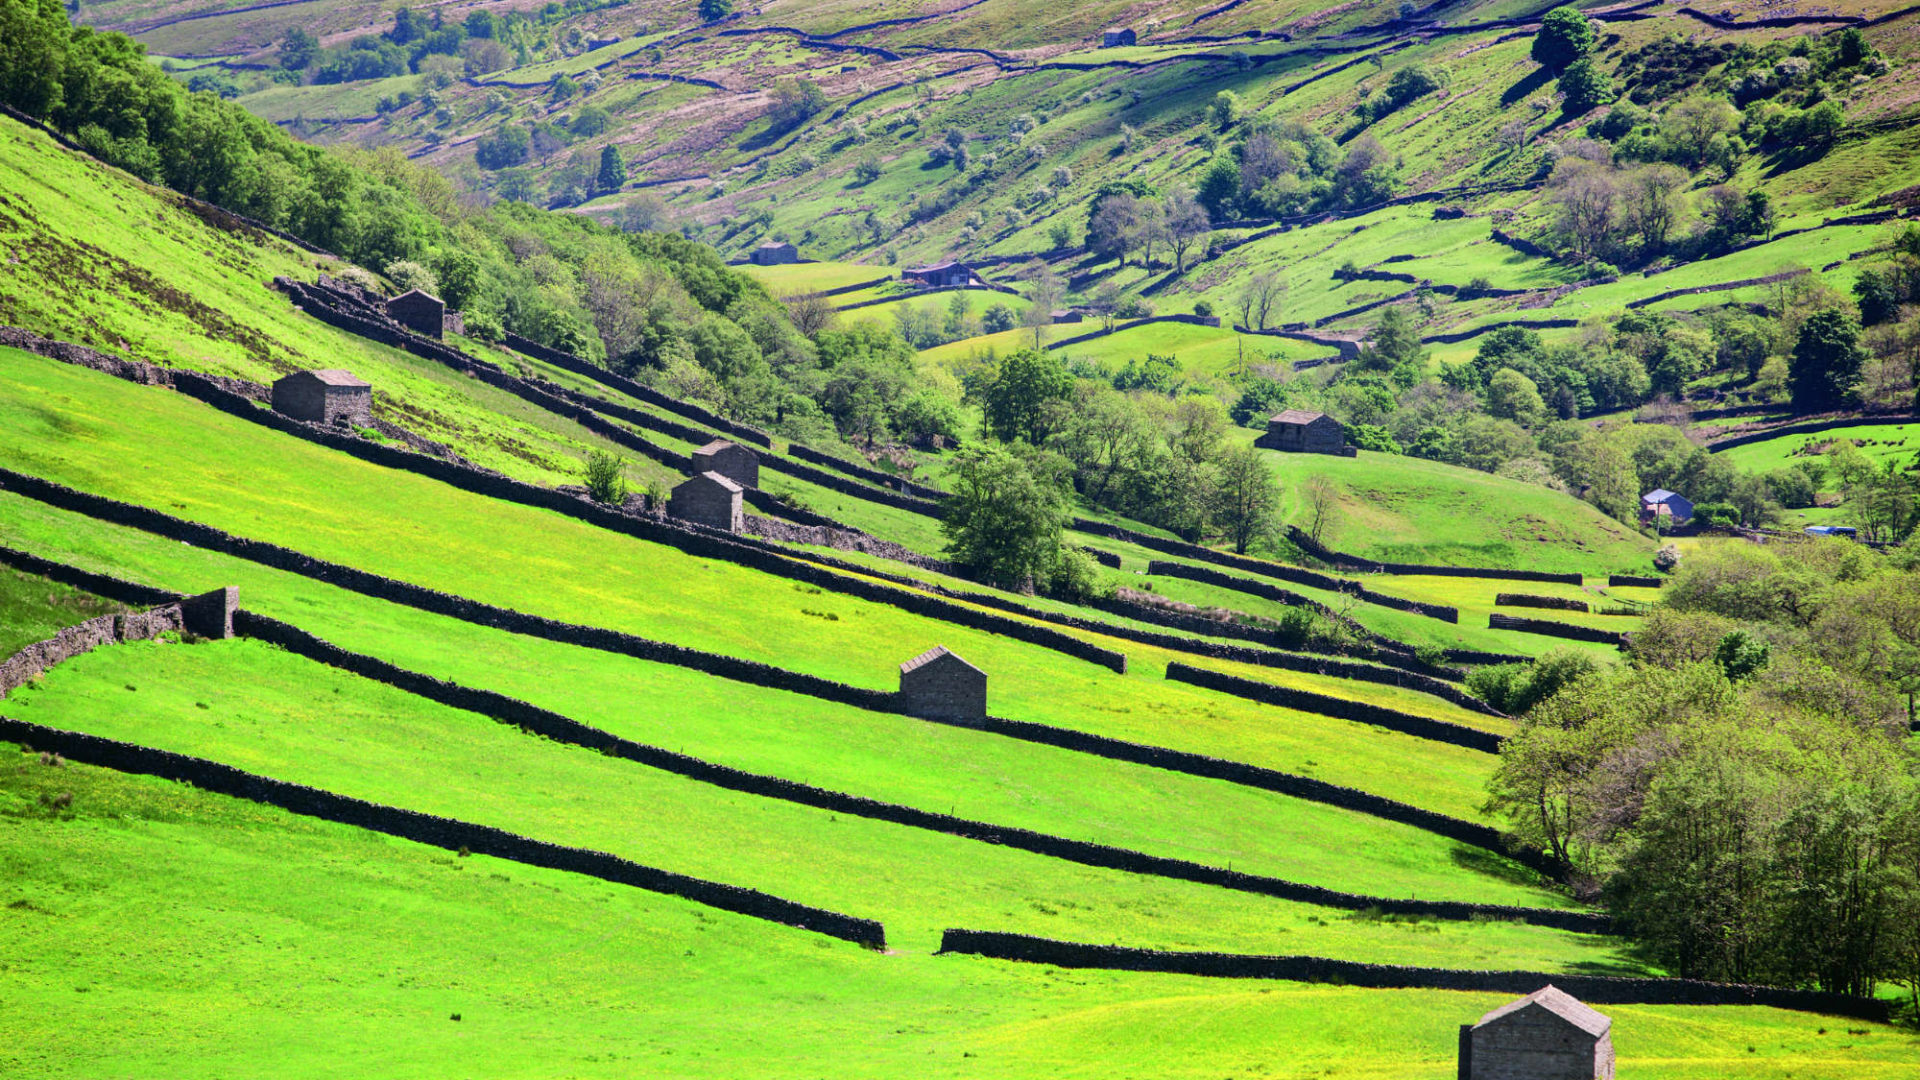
(1665, 508)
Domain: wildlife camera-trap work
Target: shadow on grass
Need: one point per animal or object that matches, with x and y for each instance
(1518, 91)
(1482, 861)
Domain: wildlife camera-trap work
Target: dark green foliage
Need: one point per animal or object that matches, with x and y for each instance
(1565, 36)
(1260, 400)
(612, 175)
(1004, 519)
(1156, 374)
(715, 10)
(1372, 437)
(1584, 87)
(795, 101)
(1515, 689)
(1394, 348)
(1740, 655)
(297, 49)
(1875, 293)
(1405, 86)
(1016, 401)
(605, 481)
(507, 146)
(1824, 370)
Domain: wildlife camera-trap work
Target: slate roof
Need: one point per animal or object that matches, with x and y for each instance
(936, 653)
(1294, 416)
(1658, 495)
(730, 486)
(412, 294)
(948, 265)
(332, 377)
(773, 244)
(1559, 1003)
(714, 447)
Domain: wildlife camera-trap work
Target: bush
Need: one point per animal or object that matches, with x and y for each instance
(1203, 309)
(1372, 437)
(606, 480)
(1666, 559)
(1516, 688)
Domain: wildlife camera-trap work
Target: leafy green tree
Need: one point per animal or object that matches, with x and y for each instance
(507, 146)
(1584, 87)
(794, 102)
(1220, 188)
(1565, 36)
(715, 10)
(1513, 396)
(1393, 348)
(1876, 296)
(613, 171)
(1824, 371)
(1003, 521)
(298, 47)
(1016, 402)
(1248, 496)
(33, 54)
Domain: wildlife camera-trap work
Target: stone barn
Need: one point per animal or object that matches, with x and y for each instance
(944, 275)
(708, 499)
(775, 253)
(1297, 431)
(419, 312)
(1117, 37)
(324, 397)
(939, 684)
(1547, 1035)
(731, 460)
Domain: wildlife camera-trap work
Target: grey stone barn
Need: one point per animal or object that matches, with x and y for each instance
(1547, 1035)
(419, 312)
(1297, 431)
(731, 460)
(939, 684)
(941, 275)
(708, 499)
(324, 397)
(775, 253)
(1117, 37)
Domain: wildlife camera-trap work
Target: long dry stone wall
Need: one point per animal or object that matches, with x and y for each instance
(1302, 577)
(1498, 573)
(435, 831)
(1191, 764)
(1358, 711)
(1557, 603)
(1594, 989)
(560, 728)
(1801, 429)
(1548, 627)
(1637, 581)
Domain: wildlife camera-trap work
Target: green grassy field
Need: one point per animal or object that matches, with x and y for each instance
(1880, 443)
(543, 563)
(1403, 509)
(257, 708)
(284, 938)
(33, 609)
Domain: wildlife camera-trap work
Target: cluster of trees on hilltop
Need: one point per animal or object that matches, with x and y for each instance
(1743, 793)
(485, 41)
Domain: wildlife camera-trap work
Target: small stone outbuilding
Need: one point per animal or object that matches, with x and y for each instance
(946, 275)
(708, 499)
(1117, 37)
(325, 397)
(422, 313)
(775, 253)
(1297, 431)
(939, 684)
(1547, 1035)
(731, 460)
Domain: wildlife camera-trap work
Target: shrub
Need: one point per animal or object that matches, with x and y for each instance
(1203, 308)
(606, 481)
(1666, 559)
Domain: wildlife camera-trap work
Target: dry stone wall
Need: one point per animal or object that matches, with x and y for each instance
(1548, 627)
(439, 832)
(1558, 603)
(1320, 551)
(1360, 712)
(1593, 989)
(1635, 581)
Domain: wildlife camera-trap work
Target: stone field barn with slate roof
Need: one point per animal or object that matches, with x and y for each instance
(708, 499)
(1547, 1035)
(325, 397)
(729, 459)
(1297, 431)
(938, 683)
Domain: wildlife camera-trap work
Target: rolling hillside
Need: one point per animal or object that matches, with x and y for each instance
(507, 767)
